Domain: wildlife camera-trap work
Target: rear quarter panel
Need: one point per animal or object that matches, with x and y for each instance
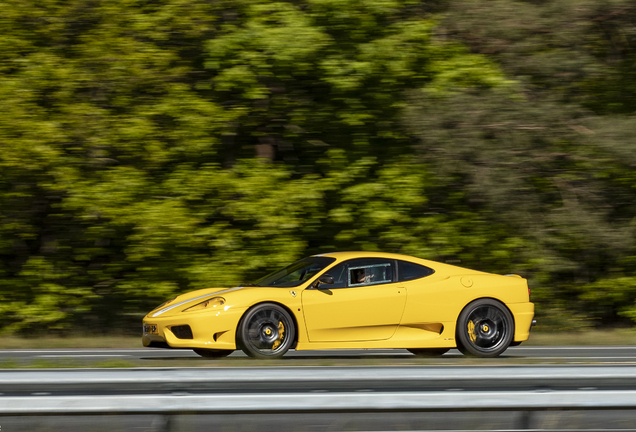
(440, 298)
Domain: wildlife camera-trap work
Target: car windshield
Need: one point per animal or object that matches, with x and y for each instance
(296, 273)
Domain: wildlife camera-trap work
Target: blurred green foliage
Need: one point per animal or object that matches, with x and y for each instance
(151, 148)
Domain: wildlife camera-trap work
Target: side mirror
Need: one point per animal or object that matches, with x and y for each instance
(324, 279)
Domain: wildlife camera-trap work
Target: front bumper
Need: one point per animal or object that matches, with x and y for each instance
(211, 330)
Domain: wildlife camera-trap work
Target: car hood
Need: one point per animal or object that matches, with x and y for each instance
(183, 301)
(191, 298)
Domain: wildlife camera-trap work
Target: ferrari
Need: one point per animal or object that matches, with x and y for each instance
(350, 300)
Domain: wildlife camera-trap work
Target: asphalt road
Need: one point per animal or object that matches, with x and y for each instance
(533, 354)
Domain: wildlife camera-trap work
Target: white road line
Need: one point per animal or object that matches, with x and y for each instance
(578, 358)
(84, 355)
(81, 350)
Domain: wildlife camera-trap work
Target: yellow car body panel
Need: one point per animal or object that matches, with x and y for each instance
(352, 317)
(420, 313)
(214, 329)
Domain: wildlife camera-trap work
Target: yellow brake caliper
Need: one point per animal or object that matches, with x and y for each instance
(281, 335)
(471, 331)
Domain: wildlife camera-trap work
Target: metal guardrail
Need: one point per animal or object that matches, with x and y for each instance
(414, 378)
(529, 392)
(317, 402)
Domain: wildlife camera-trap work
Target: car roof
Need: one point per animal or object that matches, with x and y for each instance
(363, 254)
(342, 256)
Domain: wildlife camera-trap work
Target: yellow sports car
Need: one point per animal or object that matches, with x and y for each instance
(349, 300)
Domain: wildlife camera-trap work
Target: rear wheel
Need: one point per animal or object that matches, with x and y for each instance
(485, 328)
(266, 331)
(212, 353)
(429, 352)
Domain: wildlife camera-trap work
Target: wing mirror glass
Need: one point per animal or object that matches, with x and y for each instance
(324, 279)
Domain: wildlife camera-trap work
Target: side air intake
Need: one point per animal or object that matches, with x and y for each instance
(182, 331)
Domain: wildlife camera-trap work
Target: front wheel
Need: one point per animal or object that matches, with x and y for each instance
(212, 353)
(485, 328)
(429, 352)
(266, 331)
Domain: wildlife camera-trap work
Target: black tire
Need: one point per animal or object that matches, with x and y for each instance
(429, 352)
(212, 353)
(485, 328)
(266, 331)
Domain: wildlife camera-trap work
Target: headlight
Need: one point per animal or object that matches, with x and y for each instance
(208, 304)
(165, 303)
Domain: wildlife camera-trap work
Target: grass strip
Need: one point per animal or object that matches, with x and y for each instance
(53, 342)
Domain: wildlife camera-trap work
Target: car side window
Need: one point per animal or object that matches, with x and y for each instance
(370, 271)
(408, 271)
(370, 274)
(362, 272)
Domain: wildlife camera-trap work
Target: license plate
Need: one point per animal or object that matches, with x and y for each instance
(150, 328)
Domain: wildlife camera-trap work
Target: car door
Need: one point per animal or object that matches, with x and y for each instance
(365, 303)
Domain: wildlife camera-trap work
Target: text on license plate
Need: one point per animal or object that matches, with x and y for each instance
(150, 328)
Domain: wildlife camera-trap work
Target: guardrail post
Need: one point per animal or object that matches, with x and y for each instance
(163, 423)
(524, 420)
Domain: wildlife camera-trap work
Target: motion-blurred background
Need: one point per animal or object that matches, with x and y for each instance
(151, 147)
